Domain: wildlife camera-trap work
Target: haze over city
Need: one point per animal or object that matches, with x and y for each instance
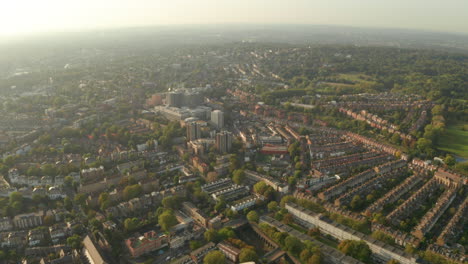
(30, 16)
(234, 132)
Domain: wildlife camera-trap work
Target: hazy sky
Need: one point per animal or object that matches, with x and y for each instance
(20, 16)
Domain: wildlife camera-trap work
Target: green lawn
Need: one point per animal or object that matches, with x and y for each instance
(455, 141)
(357, 77)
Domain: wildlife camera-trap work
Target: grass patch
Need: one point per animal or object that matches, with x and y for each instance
(455, 140)
(357, 77)
(298, 228)
(328, 241)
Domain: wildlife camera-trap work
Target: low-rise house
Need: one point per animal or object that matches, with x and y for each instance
(36, 236)
(6, 224)
(59, 180)
(55, 193)
(47, 180)
(75, 176)
(58, 232)
(15, 239)
(244, 203)
(111, 225)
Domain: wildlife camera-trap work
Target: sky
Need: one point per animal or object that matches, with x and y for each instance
(36, 16)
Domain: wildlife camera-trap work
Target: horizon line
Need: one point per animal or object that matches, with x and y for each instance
(180, 25)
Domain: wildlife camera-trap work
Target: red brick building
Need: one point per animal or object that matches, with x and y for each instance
(148, 242)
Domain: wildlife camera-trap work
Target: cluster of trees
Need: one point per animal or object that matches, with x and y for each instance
(356, 249)
(362, 226)
(426, 145)
(13, 205)
(167, 219)
(238, 176)
(379, 235)
(307, 251)
(253, 216)
(315, 207)
(214, 257)
(132, 191)
(264, 189)
(212, 235)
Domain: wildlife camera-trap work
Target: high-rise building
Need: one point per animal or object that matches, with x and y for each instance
(217, 118)
(224, 141)
(193, 131)
(192, 99)
(175, 99)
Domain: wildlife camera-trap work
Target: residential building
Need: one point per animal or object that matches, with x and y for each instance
(198, 254)
(224, 141)
(148, 242)
(217, 118)
(174, 99)
(92, 253)
(190, 209)
(193, 131)
(382, 251)
(231, 252)
(6, 224)
(30, 220)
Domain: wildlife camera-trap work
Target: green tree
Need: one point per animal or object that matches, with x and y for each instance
(272, 206)
(248, 254)
(424, 144)
(211, 235)
(171, 202)
(49, 170)
(410, 249)
(238, 176)
(225, 233)
(34, 171)
(68, 181)
(194, 244)
(103, 200)
(132, 191)
(316, 259)
(287, 199)
(131, 224)
(449, 160)
(16, 197)
(305, 255)
(392, 261)
(356, 202)
(214, 257)
(74, 242)
(396, 139)
(252, 216)
(80, 199)
(67, 203)
(293, 245)
(379, 235)
(167, 220)
(220, 205)
(260, 187)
